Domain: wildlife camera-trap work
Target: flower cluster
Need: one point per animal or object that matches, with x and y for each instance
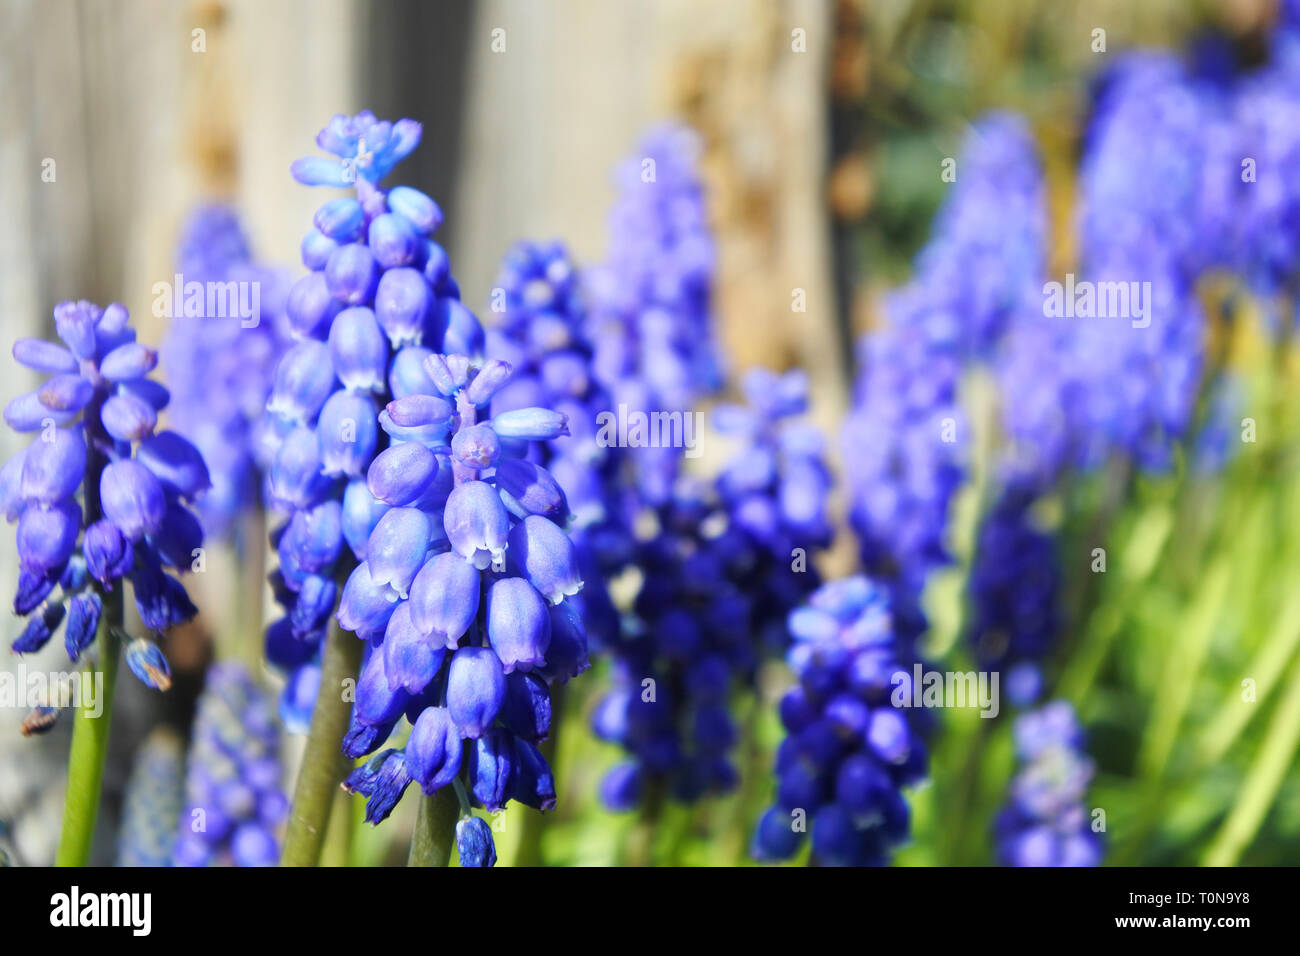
(905, 439)
(727, 564)
(380, 299)
(219, 368)
(234, 802)
(651, 300)
(1045, 822)
(96, 418)
(543, 333)
(153, 802)
(1014, 588)
(462, 598)
(849, 749)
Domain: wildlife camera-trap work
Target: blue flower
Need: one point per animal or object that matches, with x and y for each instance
(153, 802)
(1046, 822)
(234, 801)
(379, 298)
(96, 418)
(474, 844)
(848, 750)
(219, 368)
(368, 148)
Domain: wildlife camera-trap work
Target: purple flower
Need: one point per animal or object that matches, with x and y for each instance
(476, 689)
(234, 801)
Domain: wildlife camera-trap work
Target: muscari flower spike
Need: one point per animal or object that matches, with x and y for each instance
(95, 422)
(849, 749)
(379, 298)
(726, 565)
(464, 605)
(153, 802)
(219, 367)
(234, 804)
(1045, 822)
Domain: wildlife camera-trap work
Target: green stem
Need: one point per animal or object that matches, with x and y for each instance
(338, 834)
(323, 763)
(435, 829)
(90, 743)
(1263, 780)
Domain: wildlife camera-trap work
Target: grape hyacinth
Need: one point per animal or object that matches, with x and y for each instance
(219, 368)
(650, 302)
(234, 802)
(380, 298)
(543, 333)
(727, 565)
(153, 803)
(905, 440)
(1046, 822)
(1015, 585)
(849, 748)
(463, 599)
(96, 419)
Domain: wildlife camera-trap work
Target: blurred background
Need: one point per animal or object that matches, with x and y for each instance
(822, 173)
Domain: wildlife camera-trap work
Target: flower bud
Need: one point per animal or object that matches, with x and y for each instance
(477, 447)
(444, 598)
(109, 555)
(312, 604)
(394, 241)
(310, 306)
(176, 463)
(474, 844)
(476, 689)
(566, 656)
(66, 393)
(527, 488)
(40, 628)
(530, 424)
(407, 375)
(361, 512)
(315, 249)
(397, 549)
(533, 784)
(399, 475)
(462, 335)
(364, 607)
(128, 418)
(147, 663)
(178, 538)
(53, 470)
(487, 381)
(303, 380)
(84, 611)
(358, 350)
(433, 751)
(382, 780)
(518, 625)
(295, 478)
(527, 710)
(351, 273)
(340, 219)
(132, 498)
(402, 303)
(417, 208)
(476, 522)
(492, 763)
(542, 553)
(42, 356)
(348, 434)
(411, 659)
(128, 361)
(75, 324)
(46, 537)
